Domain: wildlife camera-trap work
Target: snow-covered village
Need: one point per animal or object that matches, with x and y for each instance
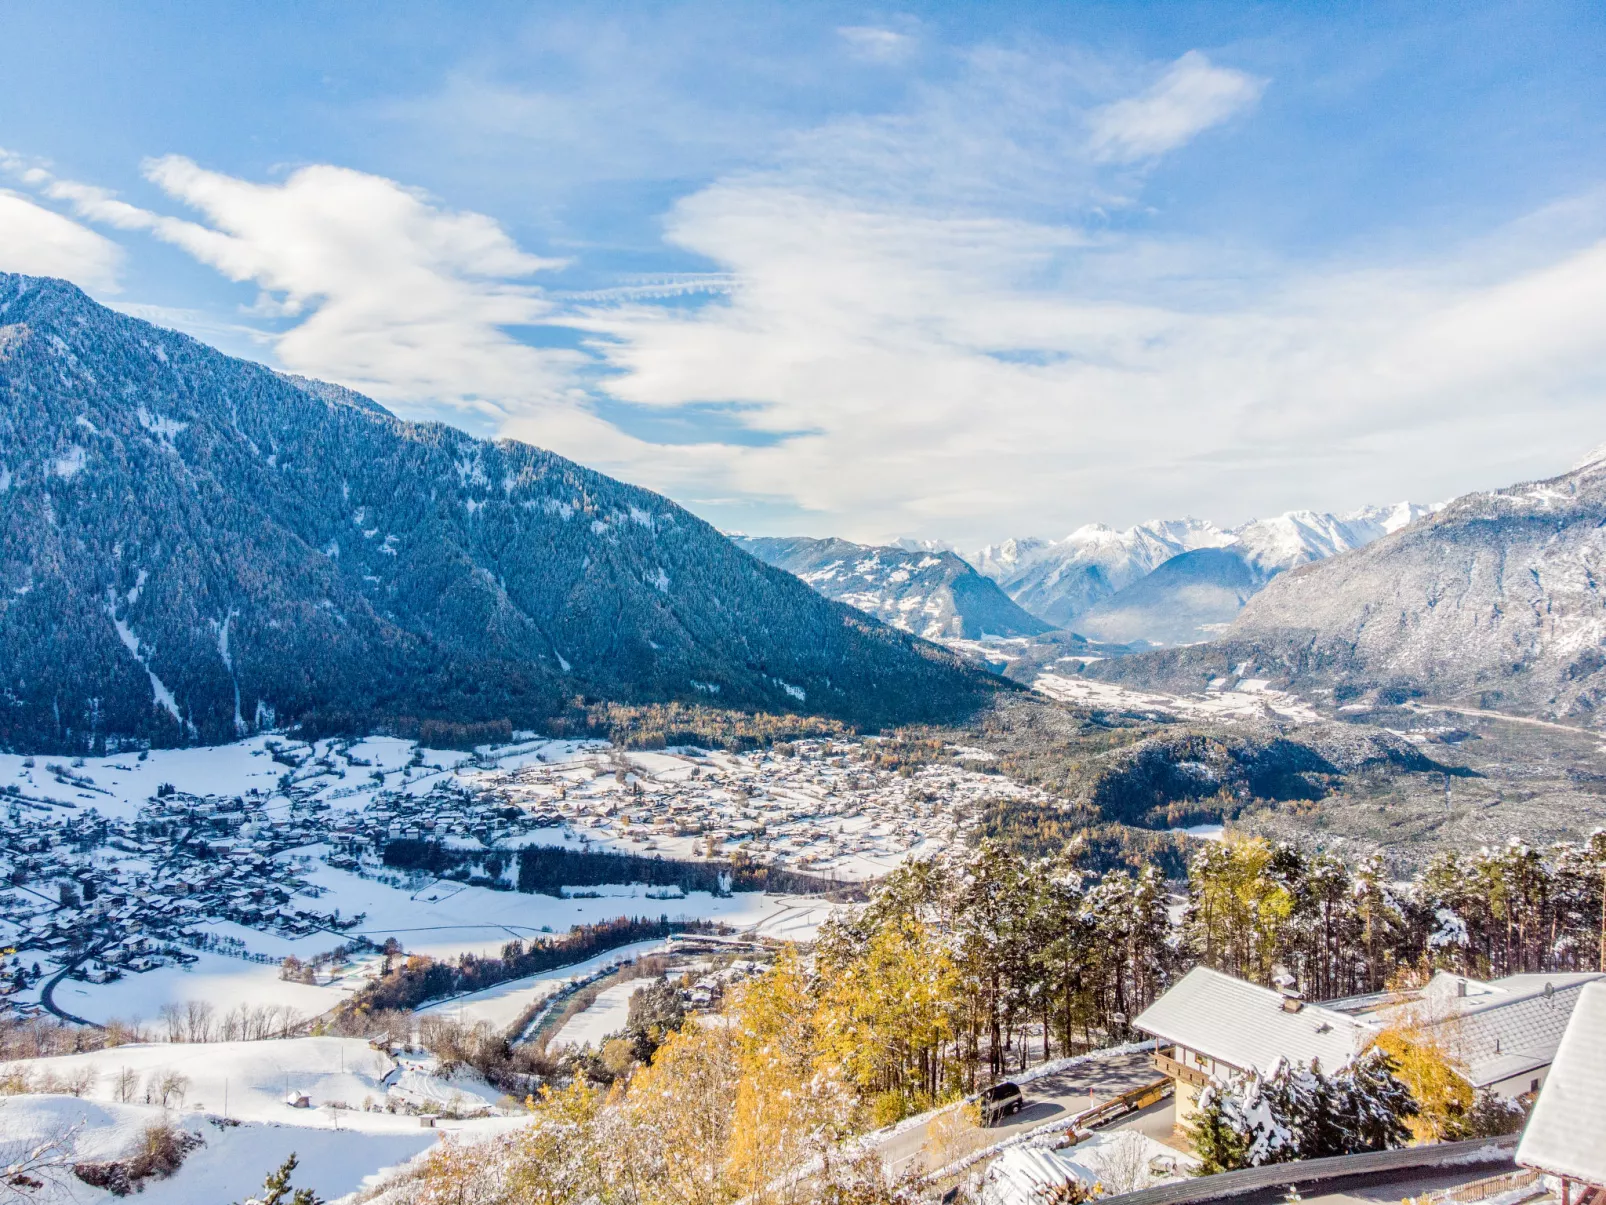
(235, 858)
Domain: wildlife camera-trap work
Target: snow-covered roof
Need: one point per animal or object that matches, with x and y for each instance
(1023, 1175)
(1500, 1029)
(1501, 1036)
(1564, 1135)
(1246, 1026)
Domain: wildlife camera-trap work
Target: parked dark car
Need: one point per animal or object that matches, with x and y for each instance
(1000, 1101)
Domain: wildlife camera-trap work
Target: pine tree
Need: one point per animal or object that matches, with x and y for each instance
(276, 1188)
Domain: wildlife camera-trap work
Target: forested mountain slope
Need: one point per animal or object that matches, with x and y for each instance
(193, 546)
(930, 593)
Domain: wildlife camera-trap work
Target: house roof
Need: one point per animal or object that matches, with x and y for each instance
(1246, 1026)
(1564, 1135)
(1499, 1029)
(1502, 1037)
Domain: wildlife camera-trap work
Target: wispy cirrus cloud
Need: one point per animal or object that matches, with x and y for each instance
(877, 43)
(1190, 97)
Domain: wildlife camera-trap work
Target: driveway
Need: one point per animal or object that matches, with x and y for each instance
(1061, 1095)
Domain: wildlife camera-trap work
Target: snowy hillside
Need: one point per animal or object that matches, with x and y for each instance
(1496, 598)
(232, 1096)
(930, 592)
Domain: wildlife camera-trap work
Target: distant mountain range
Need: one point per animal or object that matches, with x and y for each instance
(1497, 600)
(193, 547)
(1171, 581)
(932, 593)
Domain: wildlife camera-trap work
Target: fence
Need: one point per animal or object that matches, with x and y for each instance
(1311, 1172)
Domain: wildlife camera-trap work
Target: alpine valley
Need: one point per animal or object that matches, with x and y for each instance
(410, 775)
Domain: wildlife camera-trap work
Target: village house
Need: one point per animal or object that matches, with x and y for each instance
(1505, 1032)
(1566, 1136)
(1211, 1025)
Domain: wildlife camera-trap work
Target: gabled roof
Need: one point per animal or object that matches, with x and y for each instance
(1246, 1026)
(1499, 1029)
(1566, 1136)
(1502, 1037)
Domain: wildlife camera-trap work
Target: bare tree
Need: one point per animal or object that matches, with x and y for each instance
(1124, 1163)
(31, 1164)
(198, 1021)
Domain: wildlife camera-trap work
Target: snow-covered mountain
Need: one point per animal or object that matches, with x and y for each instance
(1496, 600)
(919, 588)
(1058, 580)
(194, 547)
(1173, 581)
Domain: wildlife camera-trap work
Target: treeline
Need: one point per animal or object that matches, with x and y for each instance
(546, 870)
(659, 725)
(1257, 909)
(416, 979)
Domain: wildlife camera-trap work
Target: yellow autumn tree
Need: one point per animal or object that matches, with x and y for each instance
(887, 1017)
(1423, 1042)
(1238, 911)
(791, 1103)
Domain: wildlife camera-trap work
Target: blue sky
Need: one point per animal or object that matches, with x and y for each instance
(953, 271)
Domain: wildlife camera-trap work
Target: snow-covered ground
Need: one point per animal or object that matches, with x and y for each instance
(246, 1081)
(607, 1015)
(449, 919)
(340, 1139)
(224, 983)
(228, 1166)
(502, 1005)
(1251, 700)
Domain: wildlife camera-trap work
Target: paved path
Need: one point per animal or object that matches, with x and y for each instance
(1054, 1096)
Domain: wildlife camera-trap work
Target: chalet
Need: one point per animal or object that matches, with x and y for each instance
(1211, 1025)
(1504, 1032)
(1566, 1136)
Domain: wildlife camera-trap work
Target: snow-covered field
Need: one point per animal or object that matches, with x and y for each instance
(607, 1015)
(502, 1005)
(1252, 700)
(228, 1166)
(446, 919)
(225, 983)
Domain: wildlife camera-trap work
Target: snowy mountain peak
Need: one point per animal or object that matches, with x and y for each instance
(1596, 456)
(1060, 581)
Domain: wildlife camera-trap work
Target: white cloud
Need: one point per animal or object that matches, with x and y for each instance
(1192, 96)
(396, 295)
(970, 378)
(40, 242)
(920, 312)
(877, 44)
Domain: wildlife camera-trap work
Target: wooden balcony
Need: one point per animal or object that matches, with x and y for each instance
(1166, 1065)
